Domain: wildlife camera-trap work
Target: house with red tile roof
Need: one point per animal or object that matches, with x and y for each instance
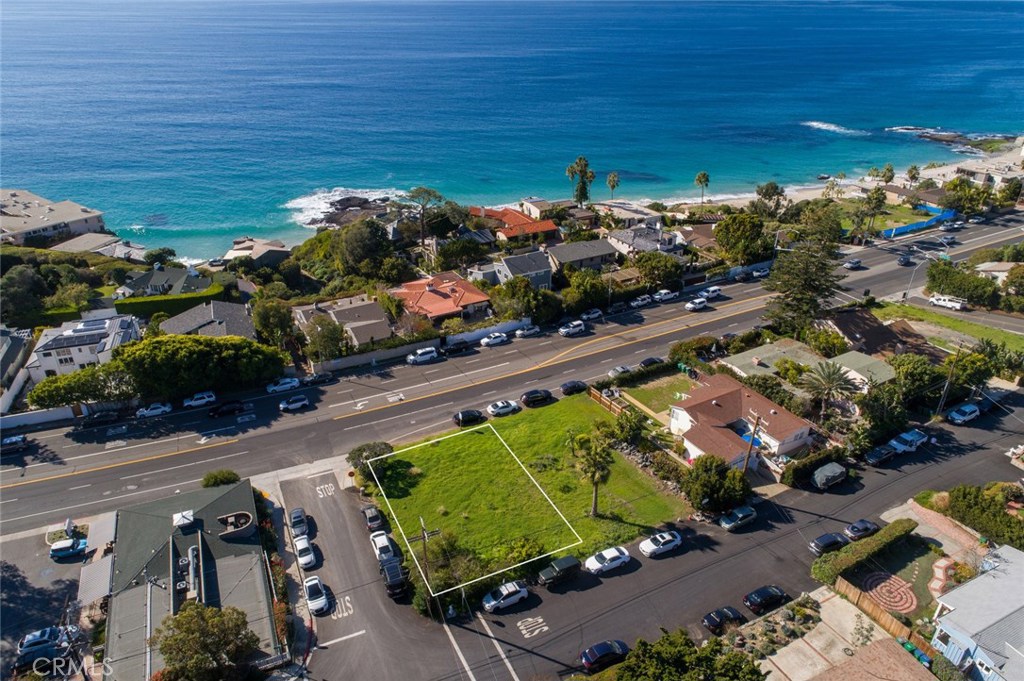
(718, 416)
(442, 296)
(544, 228)
(503, 217)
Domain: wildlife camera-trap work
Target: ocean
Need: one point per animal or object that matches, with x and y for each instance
(191, 123)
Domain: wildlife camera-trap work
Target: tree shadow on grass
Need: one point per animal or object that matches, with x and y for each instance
(397, 477)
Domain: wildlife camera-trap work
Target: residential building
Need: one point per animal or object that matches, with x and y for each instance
(535, 266)
(930, 197)
(441, 296)
(362, 317)
(212, 318)
(162, 281)
(641, 240)
(76, 345)
(987, 174)
(590, 254)
(501, 217)
(584, 217)
(486, 271)
(979, 625)
(623, 277)
(764, 358)
(718, 418)
(629, 214)
(201, 546)
(265, 253)
(484, 237)
(538, 209)
(864, 370)
(883, 659)
(996, 271)
(700, 237)
(545, 229)
(103, 244)
(24, 215)
(14, 353)
(865, 332)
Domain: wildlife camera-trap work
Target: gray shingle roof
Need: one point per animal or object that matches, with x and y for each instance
(527, 263)
(581, 250)
(212, 318)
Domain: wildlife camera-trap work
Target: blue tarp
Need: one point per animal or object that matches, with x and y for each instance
(913, 227)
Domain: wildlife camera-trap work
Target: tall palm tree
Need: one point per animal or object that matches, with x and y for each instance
(913, 174)
(594, 460)
(581, 176)
(827, 382)
(702, 180)
(613, 182)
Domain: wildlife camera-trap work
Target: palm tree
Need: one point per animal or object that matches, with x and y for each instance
(582, 176)
(828, 383)
(702, 180)
(913, 174)
(613, 182)
(594, 460)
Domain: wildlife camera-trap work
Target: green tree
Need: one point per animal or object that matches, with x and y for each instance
(273, 321)
(586, 290)
(826, 343)
(702, 180)
(658, 269)
(423, 198)
(580, 174)
(1010, 192)
(917, 379)
(860, 231)
(806, 282)
(1014, 282)
(358, 457)
(594, 461)
(827, 382)
(21, 291)
(153, 328)
(326, 338)
(875, 204)
(675, 657)
(364, 245)
(458, 253)
(393, 305)
(394, 270)
(517, 298)
(629, 426)
(613, 182)
(70, 295)
(884, 410)
(203, 643)
(221, 476)
(108, 382)
(888, 173)
(159, 255)
(913, 174)
(712, 485)
(771, 197)
(822, 225)
(970, 369)
(742, 238)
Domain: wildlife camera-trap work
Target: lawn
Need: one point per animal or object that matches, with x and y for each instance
(104, 291)
(661, 392)
(911, 561)
(895, 216)
(887, 311)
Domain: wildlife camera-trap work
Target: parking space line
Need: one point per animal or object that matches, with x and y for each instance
(317, 475)
(458, 651)
(497, 647)
(343, 638)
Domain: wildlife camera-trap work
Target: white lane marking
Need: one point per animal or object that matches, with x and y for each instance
(458, 651)
(402, 437)
(184, 465)
(7, 501)
(434, 383)
(71, 489)
(432, 371)
(339, 640)
(532, 380)
(568, 371)
(317, 475)
(405, 415)
(509, 352)
(639, 351)
(497, 647)
(546, 343)
(47, 437)
(109, 451)
(489, 393)
(605, 361)
(474, 360)
(58, 511)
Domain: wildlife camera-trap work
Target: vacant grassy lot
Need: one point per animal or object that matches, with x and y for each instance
(887, 311)
(472, 474)
(894, 216)
(661, 392)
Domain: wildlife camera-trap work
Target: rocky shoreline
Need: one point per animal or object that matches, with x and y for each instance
(349, 209)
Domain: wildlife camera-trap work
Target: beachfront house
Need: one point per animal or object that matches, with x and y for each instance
(629, 214)
(24, 215)
(629, 242)
(76, 345)
(535, 267)
(362, 317)
(264, 252)
(103, 244)
(162, 281)
(212, 318)
(895, 194)
(442, 296)
(590, 254)
(544, 229)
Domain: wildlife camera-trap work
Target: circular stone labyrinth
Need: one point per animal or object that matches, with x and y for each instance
(890, 592)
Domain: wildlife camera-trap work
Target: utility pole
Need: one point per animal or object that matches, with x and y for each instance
(750, 445)
(949, 379)
(423, 539)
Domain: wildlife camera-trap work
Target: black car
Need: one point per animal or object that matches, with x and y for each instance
(743, 275)
(468, 417)
(396, 577)
(573, 387)
(229, 408)
(764, 599)
(649, 362)
(828, 542)
(879, 455)
(616, 308)
(904, 260)
(100, 418)
(860, 529)
(603, 654)
(717, 621)
(535, 398)
(14, 443)
(318, 379)
(458, 347)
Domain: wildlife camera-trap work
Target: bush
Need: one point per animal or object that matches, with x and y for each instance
(146, 306)
(689, 351)
(220, 477)
(828, 568)
(666, 468)
(987, 514)
(800, 470)
(945, 670)
(642, 374)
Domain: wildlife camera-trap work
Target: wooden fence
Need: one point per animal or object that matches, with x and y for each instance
(881, 617)
(608, 403)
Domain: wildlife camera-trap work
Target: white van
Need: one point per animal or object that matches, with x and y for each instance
(948, 302)
(710, 292)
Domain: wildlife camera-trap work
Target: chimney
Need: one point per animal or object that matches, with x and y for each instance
(715, 402)
(756, 361)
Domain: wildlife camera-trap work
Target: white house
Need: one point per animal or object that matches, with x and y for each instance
(996, 271)
(26, 215)
(76, 345)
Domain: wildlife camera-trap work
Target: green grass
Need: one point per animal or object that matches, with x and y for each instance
(912, 562)
(104, 291)
(887, 311)
(472, 474)
(897, 215)
(661, 392)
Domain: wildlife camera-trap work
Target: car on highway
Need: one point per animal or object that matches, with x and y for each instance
(861, 529)
(904, 260)
(717, 620)
(200, 399)
(649, 362)
(663, 542)
(607, 560)
(618, 371)
(665, 295)
(947, 240)
(760, 273)
(468, 417)
(828, 542)
(304, 552)
(949, 227)
(97, 419)
(316, 595)
(852, 264)
(422, 356)
(457, 347)
(229, 408)
(765, 599)
(963, 413)
(618, 308)
(491, 339)
(294, 403)
(14, 443)
(908, 441)
(737, 518)
(506, 595)
(710, 292)
(68, 548)
(298, 523)
(696, 304)
(603, 654)
(535, 398)
(282, 384)
(528, 331)
(372, 517)
(382, 547)
(640, 301)
(573, 387)
(573, 328)
(591, 314)
(879, 455)
(322, 378)
(155, 409)
(502, 408)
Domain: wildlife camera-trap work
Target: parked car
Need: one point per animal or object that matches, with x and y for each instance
(852, 264)
(879, 455)
(828, 542)
(372, 517)
(764, 599)
(640, 301)
(574, 328)
(13, 443)
(828, 475)
(200, 399)
(396, 577)
(617, 308)
(228, 408)
(155, 409)
(44, 660)
(649, 362)
(710, 292)
(976, 220)
(535, 398)
(963, 413)
(573, 387)
(47, 637)
(948, 302)
(603, 654)
(607, 560)
(298, 523)
(717, 620)
(422, 356)
(665, 295)
(861, 529)
(737, 518)
(591, 314)
(468, 417)
(282, 384)
(68, 548)
(294, 403)
(663, 542)
(100, 418)
(322, 378)
(528, 331)
(457, 347)
(382, 547)
(947, 240)
(696, 304)
(502, 408)
(742, 276)
(316, 595)
(506, 595)
(618, 371)
(904, 260)
(908, 441)
(304, 552)
(760, 273)
(560, 570)
(496, 338)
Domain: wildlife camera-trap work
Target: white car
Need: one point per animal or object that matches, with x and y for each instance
(696, 304)
(662, 542)
(908, 441)
(760, 273)
(282, 384)
(710, 292)
(505, 595)
(496, 338)
(640, 301)
(948, 227)
(591, 315)
(618, 371)
(155, 409)
(948, 240)
(964, 413)
(304, 552)
(316, 595)
(422, 356)
(294, 403)
(606, 560)
(382, 545)
(528, 331)
(976, 220)
(665, 295)
(853, 264)
(503, 408)
(573, 328)
(201, 399)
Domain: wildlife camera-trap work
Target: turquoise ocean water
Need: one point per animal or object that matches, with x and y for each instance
(193, 122)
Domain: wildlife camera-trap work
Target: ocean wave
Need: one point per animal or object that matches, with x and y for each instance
(311, 208)
(912, 129)
(832, 127)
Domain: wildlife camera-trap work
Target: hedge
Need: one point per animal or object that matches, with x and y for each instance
(800, 470)
(987, 514)
(637, 376)
(828, 568)
(147, 306)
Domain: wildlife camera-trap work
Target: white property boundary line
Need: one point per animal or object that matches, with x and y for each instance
(405, 538)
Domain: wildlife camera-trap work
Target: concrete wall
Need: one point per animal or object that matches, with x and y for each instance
(11, 394)
(36, 417)
(377, 356)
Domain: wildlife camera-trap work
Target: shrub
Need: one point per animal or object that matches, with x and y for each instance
(281, 624)
(801, 470)
(220, 477)
(940, 502)
(667, 468)
(945, 670)
(985, 513)
(172, 305)
(829, 567)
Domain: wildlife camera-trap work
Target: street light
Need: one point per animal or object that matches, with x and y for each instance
(927, 255)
